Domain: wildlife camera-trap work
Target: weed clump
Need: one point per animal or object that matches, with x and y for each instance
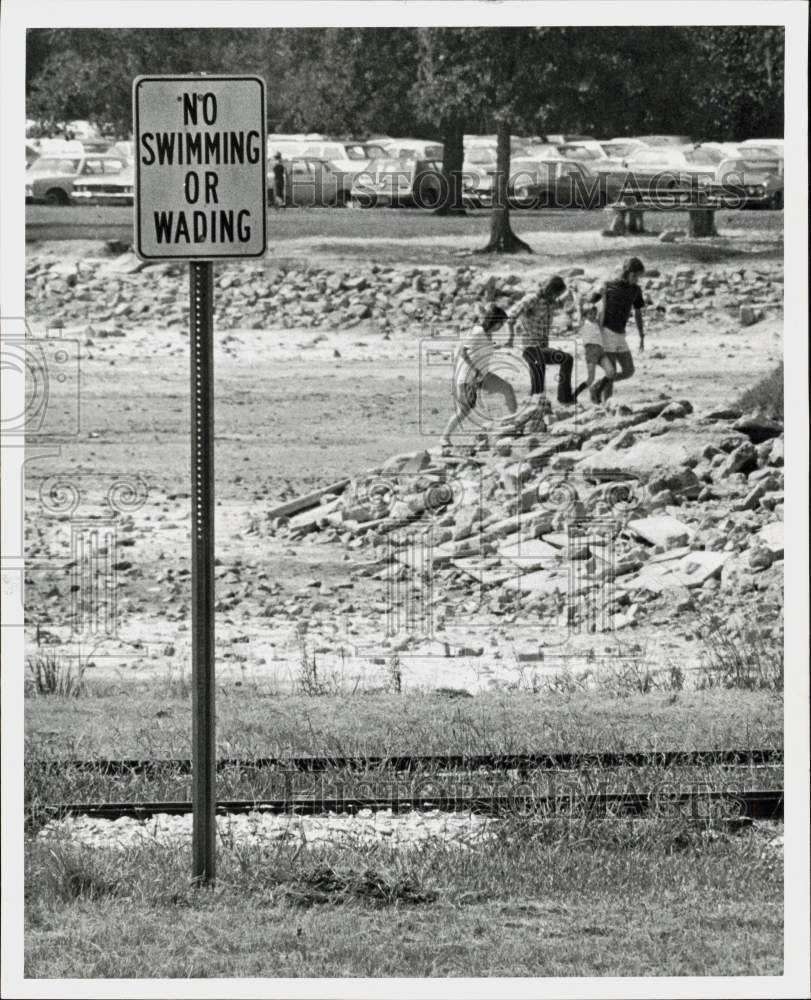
(50, 674)
(766, 396)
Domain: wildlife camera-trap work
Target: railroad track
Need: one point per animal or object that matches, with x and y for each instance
(695, 804)
(521, 762)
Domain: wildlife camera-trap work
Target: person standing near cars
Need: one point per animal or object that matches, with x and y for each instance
(619, 297)
(530, 322)
(279, 183)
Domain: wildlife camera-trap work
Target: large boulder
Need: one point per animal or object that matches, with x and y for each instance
(681, 481)
(758, 428)
(742, 459)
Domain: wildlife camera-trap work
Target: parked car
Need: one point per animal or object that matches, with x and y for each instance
(777, 145)
(412, 149)
(560, 183)
(518, 143)
(311, 181)
(288, 146)
(559, 137)
(666, 167)
(347, 159)
(98, 145)
(621, 149)
(760, 181)
(51, 178)
(592, 155)
(478, 172)
(399, 182)
(104, 189)
(125, 148)
(764, 149)
(769, 157)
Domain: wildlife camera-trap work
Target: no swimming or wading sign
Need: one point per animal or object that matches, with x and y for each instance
(200, 194)
(200, 170)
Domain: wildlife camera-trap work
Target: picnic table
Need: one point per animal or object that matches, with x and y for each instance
(700, 205)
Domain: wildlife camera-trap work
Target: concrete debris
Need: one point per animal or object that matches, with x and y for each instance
(542, 532)
(272, 295)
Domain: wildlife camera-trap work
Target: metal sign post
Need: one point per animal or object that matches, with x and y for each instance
(200, 195)
(204, 773)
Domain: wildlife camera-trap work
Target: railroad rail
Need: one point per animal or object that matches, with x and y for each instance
(521, 762)
(703, 804)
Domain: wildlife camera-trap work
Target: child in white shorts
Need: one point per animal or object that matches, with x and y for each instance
(596, 352)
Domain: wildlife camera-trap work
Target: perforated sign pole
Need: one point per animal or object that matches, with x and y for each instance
(204, 772)
(200, 196)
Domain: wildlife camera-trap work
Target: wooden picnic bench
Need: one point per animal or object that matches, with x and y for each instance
(701, 206)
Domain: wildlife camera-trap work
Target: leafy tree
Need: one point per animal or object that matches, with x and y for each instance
(743, 69)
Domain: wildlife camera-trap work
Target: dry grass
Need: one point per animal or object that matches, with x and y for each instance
(146, 725)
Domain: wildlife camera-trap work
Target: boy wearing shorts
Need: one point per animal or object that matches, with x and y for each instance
(619, 298)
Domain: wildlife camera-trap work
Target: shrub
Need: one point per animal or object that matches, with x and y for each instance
(766, 396)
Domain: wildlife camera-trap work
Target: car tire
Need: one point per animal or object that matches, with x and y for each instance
(56, 196)
(776, 201)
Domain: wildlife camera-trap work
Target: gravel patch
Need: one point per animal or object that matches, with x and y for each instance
(257, 828)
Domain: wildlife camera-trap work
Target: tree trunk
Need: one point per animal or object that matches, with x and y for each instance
(452, 137)
(502, 238)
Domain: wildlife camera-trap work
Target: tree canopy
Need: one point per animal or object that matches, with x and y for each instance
(723, 83)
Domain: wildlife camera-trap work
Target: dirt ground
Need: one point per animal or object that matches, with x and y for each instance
(300, 409)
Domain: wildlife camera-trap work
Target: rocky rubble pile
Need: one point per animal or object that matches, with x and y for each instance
(114, 294)
(601, 520)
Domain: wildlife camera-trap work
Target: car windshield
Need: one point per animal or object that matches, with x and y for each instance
(736, 165)
(620, 149)
(374, 152)
(758, 153)
(704, 155)
(481, 156)
(387, 166)
(54, 165)
(580, 153)
(532, 168)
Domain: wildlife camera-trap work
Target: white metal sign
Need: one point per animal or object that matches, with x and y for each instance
(200, 171)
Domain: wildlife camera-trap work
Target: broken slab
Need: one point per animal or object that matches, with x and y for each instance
(772, 536)
(696, 568)
(691, 571)
(539, 582)
(311, 517)
(308, 500)
(662, 530)
(663, 452)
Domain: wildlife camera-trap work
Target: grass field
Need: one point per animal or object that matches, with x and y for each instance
(603, 899)
(156, 722)
(86, 222)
